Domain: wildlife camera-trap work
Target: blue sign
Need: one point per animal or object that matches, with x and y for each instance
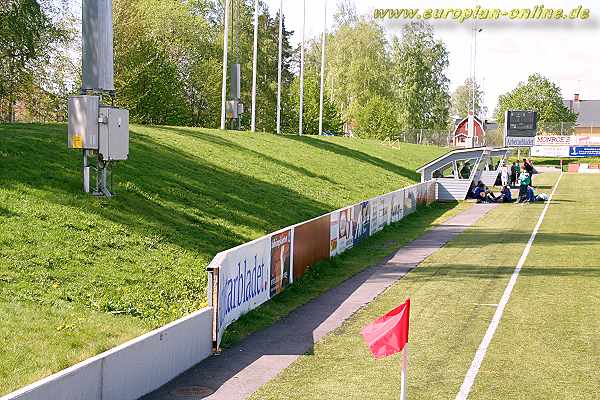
(584, 151)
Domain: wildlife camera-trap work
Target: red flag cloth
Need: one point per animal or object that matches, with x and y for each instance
(387, 335)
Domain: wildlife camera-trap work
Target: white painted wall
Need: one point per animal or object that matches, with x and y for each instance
(133, 369)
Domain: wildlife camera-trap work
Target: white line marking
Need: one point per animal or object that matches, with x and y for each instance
(467, 384)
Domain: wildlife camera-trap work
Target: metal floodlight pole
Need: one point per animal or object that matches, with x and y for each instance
(254, 66)
(225, 45)
(475, 31)
(323, 55)
(279, 67)
(302, 69)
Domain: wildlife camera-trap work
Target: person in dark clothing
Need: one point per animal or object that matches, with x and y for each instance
(525, 182)
(506, 195)
(465, 171)
(513, 174)
(484, 195)
(528, 166)
(530, 194)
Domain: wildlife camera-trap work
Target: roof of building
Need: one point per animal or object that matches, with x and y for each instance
(588, 111)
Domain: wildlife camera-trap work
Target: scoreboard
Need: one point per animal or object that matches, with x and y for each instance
(520, 128)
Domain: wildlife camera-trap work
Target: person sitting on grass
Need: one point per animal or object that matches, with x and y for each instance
(530, 194)
(506, 195)
(525, 181)
(483, 194)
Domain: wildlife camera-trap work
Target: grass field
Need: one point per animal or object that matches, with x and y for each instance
(546, 347)
(79, 275)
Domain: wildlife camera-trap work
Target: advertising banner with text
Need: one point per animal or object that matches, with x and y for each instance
(550, 151)
(410, 200)
(397, 206)
(244, 281)
(584, 151)
(361, 222)
(281, 261)
(341, 231)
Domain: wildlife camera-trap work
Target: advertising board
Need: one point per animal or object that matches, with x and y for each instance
(396, 206)
(244, 278)
(584, 151)
(281, 261)
(311, 244)
(341, 231)
(555, 140)
(550, 151)
(410, 200)
(361, 222)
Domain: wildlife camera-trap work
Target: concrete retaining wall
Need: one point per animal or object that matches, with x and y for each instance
(133, 369)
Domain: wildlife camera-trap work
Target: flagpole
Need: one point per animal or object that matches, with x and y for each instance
(300, 124)
(323, 55)
(225, 45)
(403, 389)
(254, 65)
(279, 67)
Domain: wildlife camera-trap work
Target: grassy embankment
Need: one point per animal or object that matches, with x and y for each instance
(79, 275)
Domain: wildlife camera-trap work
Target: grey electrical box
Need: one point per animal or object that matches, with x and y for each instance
(231, 109)
(113, 134)
(83, 122)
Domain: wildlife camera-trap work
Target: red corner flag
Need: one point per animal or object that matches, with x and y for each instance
(387, 335)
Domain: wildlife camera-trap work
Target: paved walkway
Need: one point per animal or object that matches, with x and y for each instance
(241, 370)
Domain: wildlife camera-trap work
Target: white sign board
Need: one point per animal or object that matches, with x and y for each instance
(555, 140)
(550, 151)
(244, 278)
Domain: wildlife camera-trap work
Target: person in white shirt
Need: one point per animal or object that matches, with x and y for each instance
(504, 174)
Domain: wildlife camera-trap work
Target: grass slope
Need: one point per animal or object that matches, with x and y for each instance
(452, 296)
(96, 272)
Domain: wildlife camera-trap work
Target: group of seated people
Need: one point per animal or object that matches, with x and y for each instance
(484, 195)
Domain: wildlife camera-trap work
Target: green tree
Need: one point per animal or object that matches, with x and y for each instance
(419, 64)
(537, 94)
(357, 66)
(310, 120)
(27, 33)
(376, 119)
(462, 99)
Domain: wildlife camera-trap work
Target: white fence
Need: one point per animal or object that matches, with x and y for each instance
(133, 369)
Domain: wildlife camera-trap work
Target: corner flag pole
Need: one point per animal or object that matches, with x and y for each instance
(403, 387)
(254, 65)
(279, 67)
(300, 130)
(225, 45)
(323, 55)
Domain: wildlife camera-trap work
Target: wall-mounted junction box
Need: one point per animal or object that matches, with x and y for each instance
(113, 134)
(83, 122)
(96, 127)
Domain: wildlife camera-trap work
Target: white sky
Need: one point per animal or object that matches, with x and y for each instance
(508, 51)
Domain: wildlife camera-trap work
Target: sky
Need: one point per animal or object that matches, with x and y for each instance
(508, 51)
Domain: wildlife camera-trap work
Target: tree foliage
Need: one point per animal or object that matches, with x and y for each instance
(29, 37)
(421, 86)
(537, 94)
(462, 99)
